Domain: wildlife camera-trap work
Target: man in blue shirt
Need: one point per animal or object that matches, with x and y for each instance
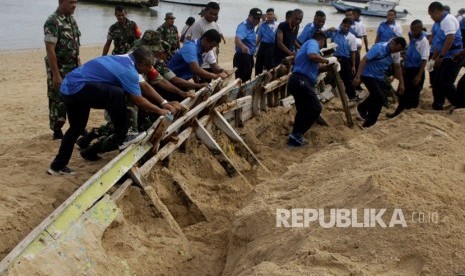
(449, 43)
(317, 25)
(245, 45)
(371, 71)
(414, 68)
(345, 53)
(389, 28)
(186, 62)
(302, 87)
(266, 37)
(102, 83)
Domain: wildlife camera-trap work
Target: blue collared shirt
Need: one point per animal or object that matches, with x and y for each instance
(190, 52)
(416, 51)
(303, 65)
(379, 58)
(441, 36)
(267, 32)
(346, 43)
(245, 32)
(307, 33)
(387, 31)
(117, 70)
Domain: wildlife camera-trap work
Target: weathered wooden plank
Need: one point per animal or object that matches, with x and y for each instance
(216, 150)
(165, 121)
(246, 115)
(119, 193)
(342, 96)
(188, 200)
(199, 108)
(239, 103)
(83, 198)
(276, 84)
(220, 122)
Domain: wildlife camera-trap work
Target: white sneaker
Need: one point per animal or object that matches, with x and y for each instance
(132, 138)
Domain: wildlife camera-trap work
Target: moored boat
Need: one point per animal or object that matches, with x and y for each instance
(377, 8)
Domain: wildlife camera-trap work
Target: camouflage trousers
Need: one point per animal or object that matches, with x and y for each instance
(56, 107)
(105, 131)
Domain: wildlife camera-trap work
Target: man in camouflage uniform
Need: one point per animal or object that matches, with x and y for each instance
(169, 33)
(61, 37)
(124, 32)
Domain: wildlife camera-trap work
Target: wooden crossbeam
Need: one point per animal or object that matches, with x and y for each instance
(220, 122)
(342, 95)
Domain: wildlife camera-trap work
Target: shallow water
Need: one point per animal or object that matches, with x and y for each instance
(22, 20)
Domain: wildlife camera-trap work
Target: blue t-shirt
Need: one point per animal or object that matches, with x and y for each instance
(245, 32)
(190, 52)
(307, 33)
(378, 61)
(117, 70)
(413, 57)
(435, 42)
(343, 48)
(303, 65)
(267, 32)
(385, 32)
(441, 36)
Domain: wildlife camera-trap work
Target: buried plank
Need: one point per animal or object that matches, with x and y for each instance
(216, 150)
(342, 95)
(159, 206)
(191, 114)
(220, 122)
(188, 200)
(73, 207)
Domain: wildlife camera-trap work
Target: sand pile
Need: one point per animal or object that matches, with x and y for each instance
(413, 163)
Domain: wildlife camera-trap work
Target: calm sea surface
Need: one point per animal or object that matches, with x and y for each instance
(23, 20)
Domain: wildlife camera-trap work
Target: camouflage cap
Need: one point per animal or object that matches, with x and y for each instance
(169, 15)
(153, 41)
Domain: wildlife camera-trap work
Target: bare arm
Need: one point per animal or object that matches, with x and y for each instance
(280, 44)
(241, 45)
(199, 71)
(168, 86)
(365, 40)
(153, 97)
(356, 82)
(185, 84)
(144, 104)
(352, 59)
(417, 78)
(106, 47)
(398, 75)
(53, 63)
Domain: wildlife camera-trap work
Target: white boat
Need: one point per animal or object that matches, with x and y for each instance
(189, 2)
(374, 8)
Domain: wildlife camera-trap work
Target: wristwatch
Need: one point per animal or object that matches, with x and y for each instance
(163, 102)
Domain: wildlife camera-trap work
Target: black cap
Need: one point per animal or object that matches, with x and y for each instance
(256, 12)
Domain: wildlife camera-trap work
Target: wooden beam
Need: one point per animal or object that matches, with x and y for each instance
(236, 104)
(119, 193)
(220, 122)
(199, 108)
(342, 96)
(157, 135)
(216, 150)
(276, 83)
(187, 199)
(81, 200)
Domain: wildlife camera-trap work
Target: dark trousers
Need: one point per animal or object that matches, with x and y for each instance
(371, 106)
(463, 37)
(264, 58)
(92, 95)
(306, 103)
(443, 83)
(457, 99)
(411, 97)
(244, 64)
(346, 76)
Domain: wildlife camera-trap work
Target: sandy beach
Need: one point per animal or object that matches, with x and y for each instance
(413, 162)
